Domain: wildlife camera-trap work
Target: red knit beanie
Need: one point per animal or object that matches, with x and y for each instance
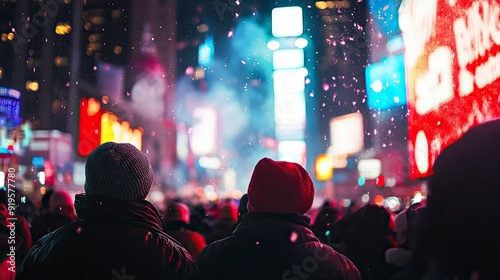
(280, 187)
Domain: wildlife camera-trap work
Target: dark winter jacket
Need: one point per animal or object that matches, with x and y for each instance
(273, 246)
(46, 223)
(112, 240)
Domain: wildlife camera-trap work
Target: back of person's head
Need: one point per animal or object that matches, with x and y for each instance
(178, 211)
(45, 200)
(198, 213)
(459, 231)
(228, 211)
(61, 202)
(375, 219)
(280, 187)
(405, 225)
(118, 170)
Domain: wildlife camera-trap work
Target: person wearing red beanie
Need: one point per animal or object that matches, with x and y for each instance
(274, 239)
(287, 181)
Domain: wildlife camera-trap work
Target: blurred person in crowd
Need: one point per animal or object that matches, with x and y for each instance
(59, 210)
(327, 216)
(198, 219)
(225, 223)
(369, 234)
(118, 235)
(458, 231)
(274, 240)
(177, 218)
(45, 201)
(14, 234)
(401, 256)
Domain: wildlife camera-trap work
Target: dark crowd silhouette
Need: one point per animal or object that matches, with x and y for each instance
(112, 231)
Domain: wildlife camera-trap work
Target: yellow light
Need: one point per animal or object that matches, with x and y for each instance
(61, 61)
(321, 5)
(93, 107)
(67, 28)
(97, 20)
(114, 131)
(93, 38)
(43, 190)
(87, 26)
(10, 36)
(118, 50)
(199, 73)
(202, 28)
(4, 37)
(107, 121)
(1, 72)
(94, 46)
(32, 85)
(324, 167)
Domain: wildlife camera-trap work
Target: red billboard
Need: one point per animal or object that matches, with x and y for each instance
(452, 60)
(97, 126)
(89, 126)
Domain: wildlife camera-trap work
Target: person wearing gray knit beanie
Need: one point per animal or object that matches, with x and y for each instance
(118, 170)
(118, 235)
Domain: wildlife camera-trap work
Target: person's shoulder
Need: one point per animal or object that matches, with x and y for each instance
(326, 259)
(51, 244)
(213, 250)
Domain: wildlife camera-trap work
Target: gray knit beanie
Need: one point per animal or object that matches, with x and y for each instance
(118, 170)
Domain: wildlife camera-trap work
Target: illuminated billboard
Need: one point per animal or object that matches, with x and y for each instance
(385, 83)
(97, 126)
(289, 83)
(346, 134)
(10, 107)
(203, 141)
(287, 21)
(452, 60)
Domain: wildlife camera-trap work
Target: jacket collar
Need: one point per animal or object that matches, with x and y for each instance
(277, 228)
(104, 210)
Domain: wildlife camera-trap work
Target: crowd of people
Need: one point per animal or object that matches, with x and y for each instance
(113, 232)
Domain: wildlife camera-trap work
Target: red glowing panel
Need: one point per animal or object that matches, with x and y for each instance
(89, 129)
(452, 60)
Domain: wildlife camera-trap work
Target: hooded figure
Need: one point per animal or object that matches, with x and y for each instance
(274, 240)
(118, 235)
(458, 233)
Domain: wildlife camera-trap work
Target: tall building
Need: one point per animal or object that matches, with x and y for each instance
(62, 53)
(36, 48)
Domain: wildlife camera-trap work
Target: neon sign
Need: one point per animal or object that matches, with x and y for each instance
(452, 59)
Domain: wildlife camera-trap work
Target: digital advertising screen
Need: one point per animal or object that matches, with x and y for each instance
(452, 62)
